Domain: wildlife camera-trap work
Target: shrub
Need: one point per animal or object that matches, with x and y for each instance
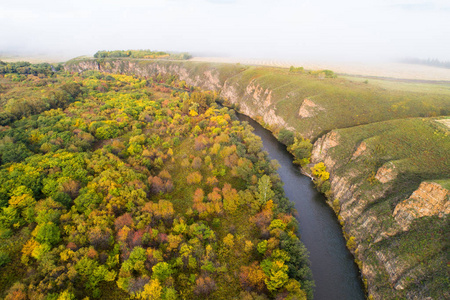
(4, 258)
(286, 137)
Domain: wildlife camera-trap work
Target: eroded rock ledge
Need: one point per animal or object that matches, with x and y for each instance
(428, 200)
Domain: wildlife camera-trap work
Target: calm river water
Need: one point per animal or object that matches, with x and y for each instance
(334, 271)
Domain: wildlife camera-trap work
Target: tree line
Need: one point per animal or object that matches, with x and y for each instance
(141, 54)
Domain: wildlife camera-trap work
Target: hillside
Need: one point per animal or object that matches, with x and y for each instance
(116, 186)
(389, 187)
(399, 71)
(387, 156)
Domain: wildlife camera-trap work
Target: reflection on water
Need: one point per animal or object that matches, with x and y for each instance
(335, 274)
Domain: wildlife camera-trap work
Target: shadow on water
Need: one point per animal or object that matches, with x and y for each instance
(335, 274)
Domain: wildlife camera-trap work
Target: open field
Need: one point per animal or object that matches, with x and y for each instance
(436, 87)
(369, 69)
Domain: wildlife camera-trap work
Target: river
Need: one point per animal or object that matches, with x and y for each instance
(335, 274)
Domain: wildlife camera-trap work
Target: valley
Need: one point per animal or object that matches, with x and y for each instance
(379, 145)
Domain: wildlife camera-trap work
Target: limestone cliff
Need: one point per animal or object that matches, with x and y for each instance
(428, 200)
(386, 173)
(309, 109)
(378, 235)
(321, 148)
(254, 101)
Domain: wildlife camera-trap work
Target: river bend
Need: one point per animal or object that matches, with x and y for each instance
(335, 274)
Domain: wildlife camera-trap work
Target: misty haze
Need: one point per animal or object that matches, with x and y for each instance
(224, 149)
(318, 30)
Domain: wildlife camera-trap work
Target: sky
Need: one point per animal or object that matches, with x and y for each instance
(347, 30)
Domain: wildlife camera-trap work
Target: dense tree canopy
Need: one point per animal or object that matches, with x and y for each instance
(136, 187)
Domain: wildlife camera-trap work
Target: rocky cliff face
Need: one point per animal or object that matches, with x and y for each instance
(309, 109)
(377, 235)
(321, 148)
(386, 173)
(254, 101)
(208, 78)
(428, 200)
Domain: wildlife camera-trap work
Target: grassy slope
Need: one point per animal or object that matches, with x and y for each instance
(345, 103)
(399, 129)
(407, 86)
(415, 145)
(420, 150)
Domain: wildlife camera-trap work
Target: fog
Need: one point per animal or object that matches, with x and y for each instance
(345, 30)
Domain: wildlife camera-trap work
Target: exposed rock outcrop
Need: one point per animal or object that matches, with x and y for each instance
(321, 148)
(360, 150)
(259, 94)
(428, 200)
(254, 101)
(394, 267)
(445, 122)
(386, 173)
(309, 109)
(369, 228)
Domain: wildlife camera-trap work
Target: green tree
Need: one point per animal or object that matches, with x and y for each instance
(14, 152)
(162, 271)
(136, 260)
(277, 276)
(47, 233)
(286, 137)
(265, 192)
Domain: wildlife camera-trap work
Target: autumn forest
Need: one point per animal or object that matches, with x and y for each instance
(116, 186)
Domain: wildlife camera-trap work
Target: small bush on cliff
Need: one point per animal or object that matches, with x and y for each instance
(301, 149)
(321, 177)
(286, 137)
(325, 187)
(293, 69)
